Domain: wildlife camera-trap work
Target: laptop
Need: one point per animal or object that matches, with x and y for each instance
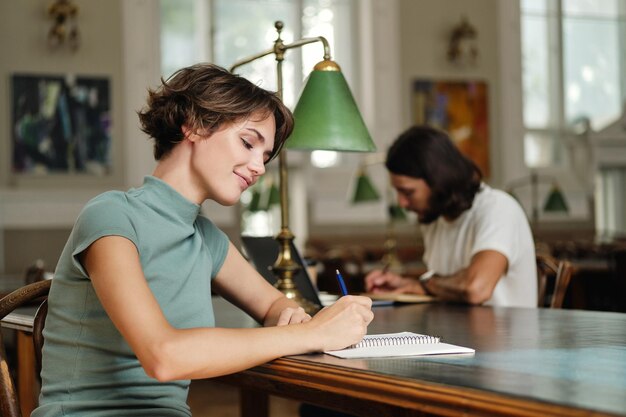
(263, 251)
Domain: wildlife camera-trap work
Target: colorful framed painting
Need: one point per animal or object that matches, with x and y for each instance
(461, 109)
(60, 125)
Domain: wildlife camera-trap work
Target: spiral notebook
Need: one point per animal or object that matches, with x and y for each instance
(398, 344)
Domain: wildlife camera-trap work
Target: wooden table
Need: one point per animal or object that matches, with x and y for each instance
(528, 362)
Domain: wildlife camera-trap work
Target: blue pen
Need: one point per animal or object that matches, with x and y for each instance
(342, 284)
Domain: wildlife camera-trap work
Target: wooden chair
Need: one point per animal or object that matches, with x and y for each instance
(561, 272)
(9, 403)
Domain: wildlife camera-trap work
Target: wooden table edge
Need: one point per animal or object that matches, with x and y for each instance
(372, 394)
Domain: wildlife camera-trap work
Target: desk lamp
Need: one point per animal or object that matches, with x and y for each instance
(555, 202)
(364, 192)
(326, 118)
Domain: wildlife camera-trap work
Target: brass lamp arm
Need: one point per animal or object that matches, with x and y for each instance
(533, 178)
(251, 58)
(280, 48)
(306, 41)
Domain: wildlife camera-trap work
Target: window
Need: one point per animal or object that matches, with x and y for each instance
(240, 28)
(574, 72)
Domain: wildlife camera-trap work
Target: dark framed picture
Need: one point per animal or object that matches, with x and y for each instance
(60, 124)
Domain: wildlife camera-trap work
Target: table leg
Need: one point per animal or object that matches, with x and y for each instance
(253, 403)
(26, 379)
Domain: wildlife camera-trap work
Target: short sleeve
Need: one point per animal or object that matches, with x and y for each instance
(106, 215)
(216, 242)
(498, 226)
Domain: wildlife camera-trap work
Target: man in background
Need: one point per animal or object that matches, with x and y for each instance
(478, 246)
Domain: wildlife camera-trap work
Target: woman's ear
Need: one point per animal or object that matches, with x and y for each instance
(187, 132)
(190, 134)
(193, 135)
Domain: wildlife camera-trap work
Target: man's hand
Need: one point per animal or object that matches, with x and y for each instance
(382, 281)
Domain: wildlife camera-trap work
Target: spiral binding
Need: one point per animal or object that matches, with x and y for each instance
(375, 341)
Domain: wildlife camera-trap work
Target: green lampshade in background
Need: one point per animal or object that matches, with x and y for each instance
(327, 117)
(396, 213)
(255, 201)
(555, 201)
(364, 190)
(273, 198)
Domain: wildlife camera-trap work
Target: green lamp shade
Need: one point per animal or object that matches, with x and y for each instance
(556, 201)
(364, 190)
(396, 213)
(273, 198)
(327, 117)
(255, 202)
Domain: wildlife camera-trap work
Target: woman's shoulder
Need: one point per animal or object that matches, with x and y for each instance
(106, 205)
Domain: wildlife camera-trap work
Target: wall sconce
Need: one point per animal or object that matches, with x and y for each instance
(462, 47)
(64, 27)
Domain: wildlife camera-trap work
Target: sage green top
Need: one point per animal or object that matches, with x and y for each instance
(88, 367)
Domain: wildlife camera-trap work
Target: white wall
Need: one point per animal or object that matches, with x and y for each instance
(425, 29)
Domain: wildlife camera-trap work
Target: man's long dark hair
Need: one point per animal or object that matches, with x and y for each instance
(429, 154)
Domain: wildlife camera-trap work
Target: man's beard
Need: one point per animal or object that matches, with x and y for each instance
(431, 214)
(428, 217)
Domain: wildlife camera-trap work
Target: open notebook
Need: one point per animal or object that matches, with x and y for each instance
(398, 344)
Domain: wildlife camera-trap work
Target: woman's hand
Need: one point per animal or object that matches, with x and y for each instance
(342, 324)
(292, 315)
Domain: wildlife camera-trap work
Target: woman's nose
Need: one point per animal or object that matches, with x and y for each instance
(257, 167)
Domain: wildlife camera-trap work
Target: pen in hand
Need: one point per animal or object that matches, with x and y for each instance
(342, 284)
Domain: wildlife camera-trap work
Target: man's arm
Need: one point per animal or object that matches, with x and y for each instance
(474, 284)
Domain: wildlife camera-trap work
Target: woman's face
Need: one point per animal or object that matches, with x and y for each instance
(233, 158)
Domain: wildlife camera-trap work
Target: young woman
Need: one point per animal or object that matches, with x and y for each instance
(130, 319)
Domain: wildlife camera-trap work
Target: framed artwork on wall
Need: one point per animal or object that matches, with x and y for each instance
(60, 124)
(461, 109)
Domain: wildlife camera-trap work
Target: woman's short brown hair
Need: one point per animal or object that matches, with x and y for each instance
(204, 97)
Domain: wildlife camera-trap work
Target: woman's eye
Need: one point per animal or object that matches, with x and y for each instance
(247, 144)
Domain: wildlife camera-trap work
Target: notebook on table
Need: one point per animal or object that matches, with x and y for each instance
(399, 344)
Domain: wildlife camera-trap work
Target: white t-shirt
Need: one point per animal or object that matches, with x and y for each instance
(494, 222)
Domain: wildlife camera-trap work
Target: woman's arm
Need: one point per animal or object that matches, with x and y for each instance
(167, 353)
(242, 285)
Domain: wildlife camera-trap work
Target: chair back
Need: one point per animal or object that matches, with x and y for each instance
(9, 402)
(560, 271)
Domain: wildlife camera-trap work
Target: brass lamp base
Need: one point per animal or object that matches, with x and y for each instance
(390, 258)
(294, 294)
